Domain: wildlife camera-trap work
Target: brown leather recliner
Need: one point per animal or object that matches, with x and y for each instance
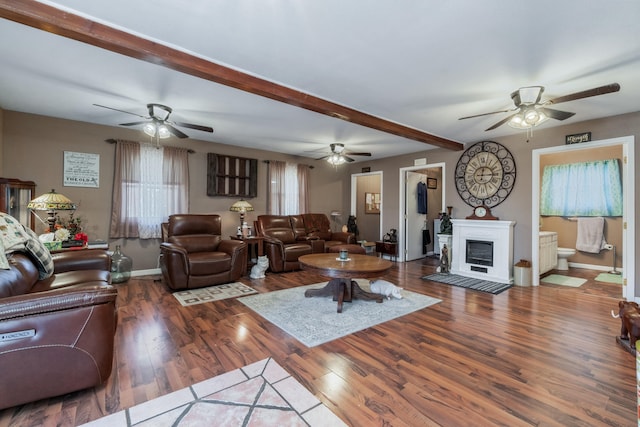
(318, 225)
(281, 245)
(195, 255)
(56, 334)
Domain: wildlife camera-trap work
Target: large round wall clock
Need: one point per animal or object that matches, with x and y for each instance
(485, 174)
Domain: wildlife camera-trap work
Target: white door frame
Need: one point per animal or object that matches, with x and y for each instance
(628, 201)
(401, 208)
(354, 195)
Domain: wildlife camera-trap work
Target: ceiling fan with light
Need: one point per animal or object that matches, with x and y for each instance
(339, 156)
(530, 111)
(157, 123)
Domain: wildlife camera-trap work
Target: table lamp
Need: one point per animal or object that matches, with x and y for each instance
(243, 207)
(51, 202)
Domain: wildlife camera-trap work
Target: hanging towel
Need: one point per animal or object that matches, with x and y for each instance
(590, 235)
(426, 240)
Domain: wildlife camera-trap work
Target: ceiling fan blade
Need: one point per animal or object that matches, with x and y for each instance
(348, 159)
(122, 111)
(556, 114)
(350, 153)
(484, 114)
(133, 123)
(192, 126)
(176, 132)
(324, 157)
(500, 123)
(602, 90)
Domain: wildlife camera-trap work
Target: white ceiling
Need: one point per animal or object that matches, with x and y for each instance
(420, 63)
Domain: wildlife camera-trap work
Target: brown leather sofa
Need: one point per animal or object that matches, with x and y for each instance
(56, 334)
(285, 241)
(318, 225)
(195, 255)
(288, 237)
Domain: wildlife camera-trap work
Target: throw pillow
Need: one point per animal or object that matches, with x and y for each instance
(39, 254)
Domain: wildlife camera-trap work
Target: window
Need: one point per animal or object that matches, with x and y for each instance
(150, 183)
(288, 188)
(582, 189)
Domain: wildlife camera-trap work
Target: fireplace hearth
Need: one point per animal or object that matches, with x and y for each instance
(483, 249)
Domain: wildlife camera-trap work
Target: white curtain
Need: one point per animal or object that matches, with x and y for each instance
(288, 188)
(150, 183)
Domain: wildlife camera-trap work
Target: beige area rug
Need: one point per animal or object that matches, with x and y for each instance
(213, 293)
(258, 395)
(609, 278)
(558, 279)
(314, 321)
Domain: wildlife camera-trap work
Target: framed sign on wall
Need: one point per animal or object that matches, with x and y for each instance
(81, 169)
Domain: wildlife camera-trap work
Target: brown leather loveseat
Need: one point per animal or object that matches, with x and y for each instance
(288, 237)
(195, 254)
(56, 333)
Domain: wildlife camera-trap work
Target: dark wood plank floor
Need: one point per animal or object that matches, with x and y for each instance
(531, 356)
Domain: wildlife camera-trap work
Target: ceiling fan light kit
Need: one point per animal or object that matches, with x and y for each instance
(339, 156)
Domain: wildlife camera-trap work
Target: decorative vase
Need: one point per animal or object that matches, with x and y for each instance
(120, 266)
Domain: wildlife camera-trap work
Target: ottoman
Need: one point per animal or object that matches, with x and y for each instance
(352, 249)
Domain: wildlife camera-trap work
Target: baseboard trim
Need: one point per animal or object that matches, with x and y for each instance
(593, 267)
(149, 272)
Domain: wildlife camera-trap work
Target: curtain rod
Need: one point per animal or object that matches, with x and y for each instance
(113, 141)
(269, 161)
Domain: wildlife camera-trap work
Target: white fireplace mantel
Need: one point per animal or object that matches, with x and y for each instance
(500, 233)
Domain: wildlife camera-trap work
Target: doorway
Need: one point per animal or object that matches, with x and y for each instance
(366, 204)
(415, 227)
(628, 250)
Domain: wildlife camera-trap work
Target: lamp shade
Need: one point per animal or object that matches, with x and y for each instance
(51, 202)
(241, 206)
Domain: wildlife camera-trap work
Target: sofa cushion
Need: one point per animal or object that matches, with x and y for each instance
(206, 263)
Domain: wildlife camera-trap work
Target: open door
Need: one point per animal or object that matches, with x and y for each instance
(413, 225)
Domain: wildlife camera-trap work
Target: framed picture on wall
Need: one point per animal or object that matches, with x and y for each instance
(432, 183)
(371, 203)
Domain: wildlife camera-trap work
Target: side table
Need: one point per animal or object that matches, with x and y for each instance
(387, 248)
(255, 245)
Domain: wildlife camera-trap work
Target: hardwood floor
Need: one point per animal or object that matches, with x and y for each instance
(542, 356)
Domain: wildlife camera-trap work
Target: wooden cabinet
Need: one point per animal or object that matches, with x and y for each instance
(14, 197)
(548, 248)
(387, 248)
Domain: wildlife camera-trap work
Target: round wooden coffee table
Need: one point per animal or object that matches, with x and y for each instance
(341, 286)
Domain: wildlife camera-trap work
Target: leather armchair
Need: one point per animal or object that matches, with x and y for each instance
(195, 255)
(56, 334)
(281, 245)
(318, 225)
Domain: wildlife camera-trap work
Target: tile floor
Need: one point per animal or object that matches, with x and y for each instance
(260, 394)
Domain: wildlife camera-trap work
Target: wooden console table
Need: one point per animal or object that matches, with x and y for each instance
(255, 245)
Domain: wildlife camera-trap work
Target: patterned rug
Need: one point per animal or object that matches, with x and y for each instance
(314, 321)
(213, 293)
(559, 279)
(610, 278)
(469, 283)
(258, 395)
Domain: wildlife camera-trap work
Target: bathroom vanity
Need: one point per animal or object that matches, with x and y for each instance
(548, 251)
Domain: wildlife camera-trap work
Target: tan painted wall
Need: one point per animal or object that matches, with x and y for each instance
(34, 147)
(368, 223)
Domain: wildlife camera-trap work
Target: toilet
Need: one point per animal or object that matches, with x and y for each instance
(563, 254)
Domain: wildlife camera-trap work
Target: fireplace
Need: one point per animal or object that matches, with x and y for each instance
(479, 252)
(483, 249)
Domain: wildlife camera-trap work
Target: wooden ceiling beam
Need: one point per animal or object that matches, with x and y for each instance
(56, 21)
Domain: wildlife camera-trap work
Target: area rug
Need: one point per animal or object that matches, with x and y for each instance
(558, 279)
(314, 321)
(469, 283)
(260, 394)
(609, 278)
(213, 293)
